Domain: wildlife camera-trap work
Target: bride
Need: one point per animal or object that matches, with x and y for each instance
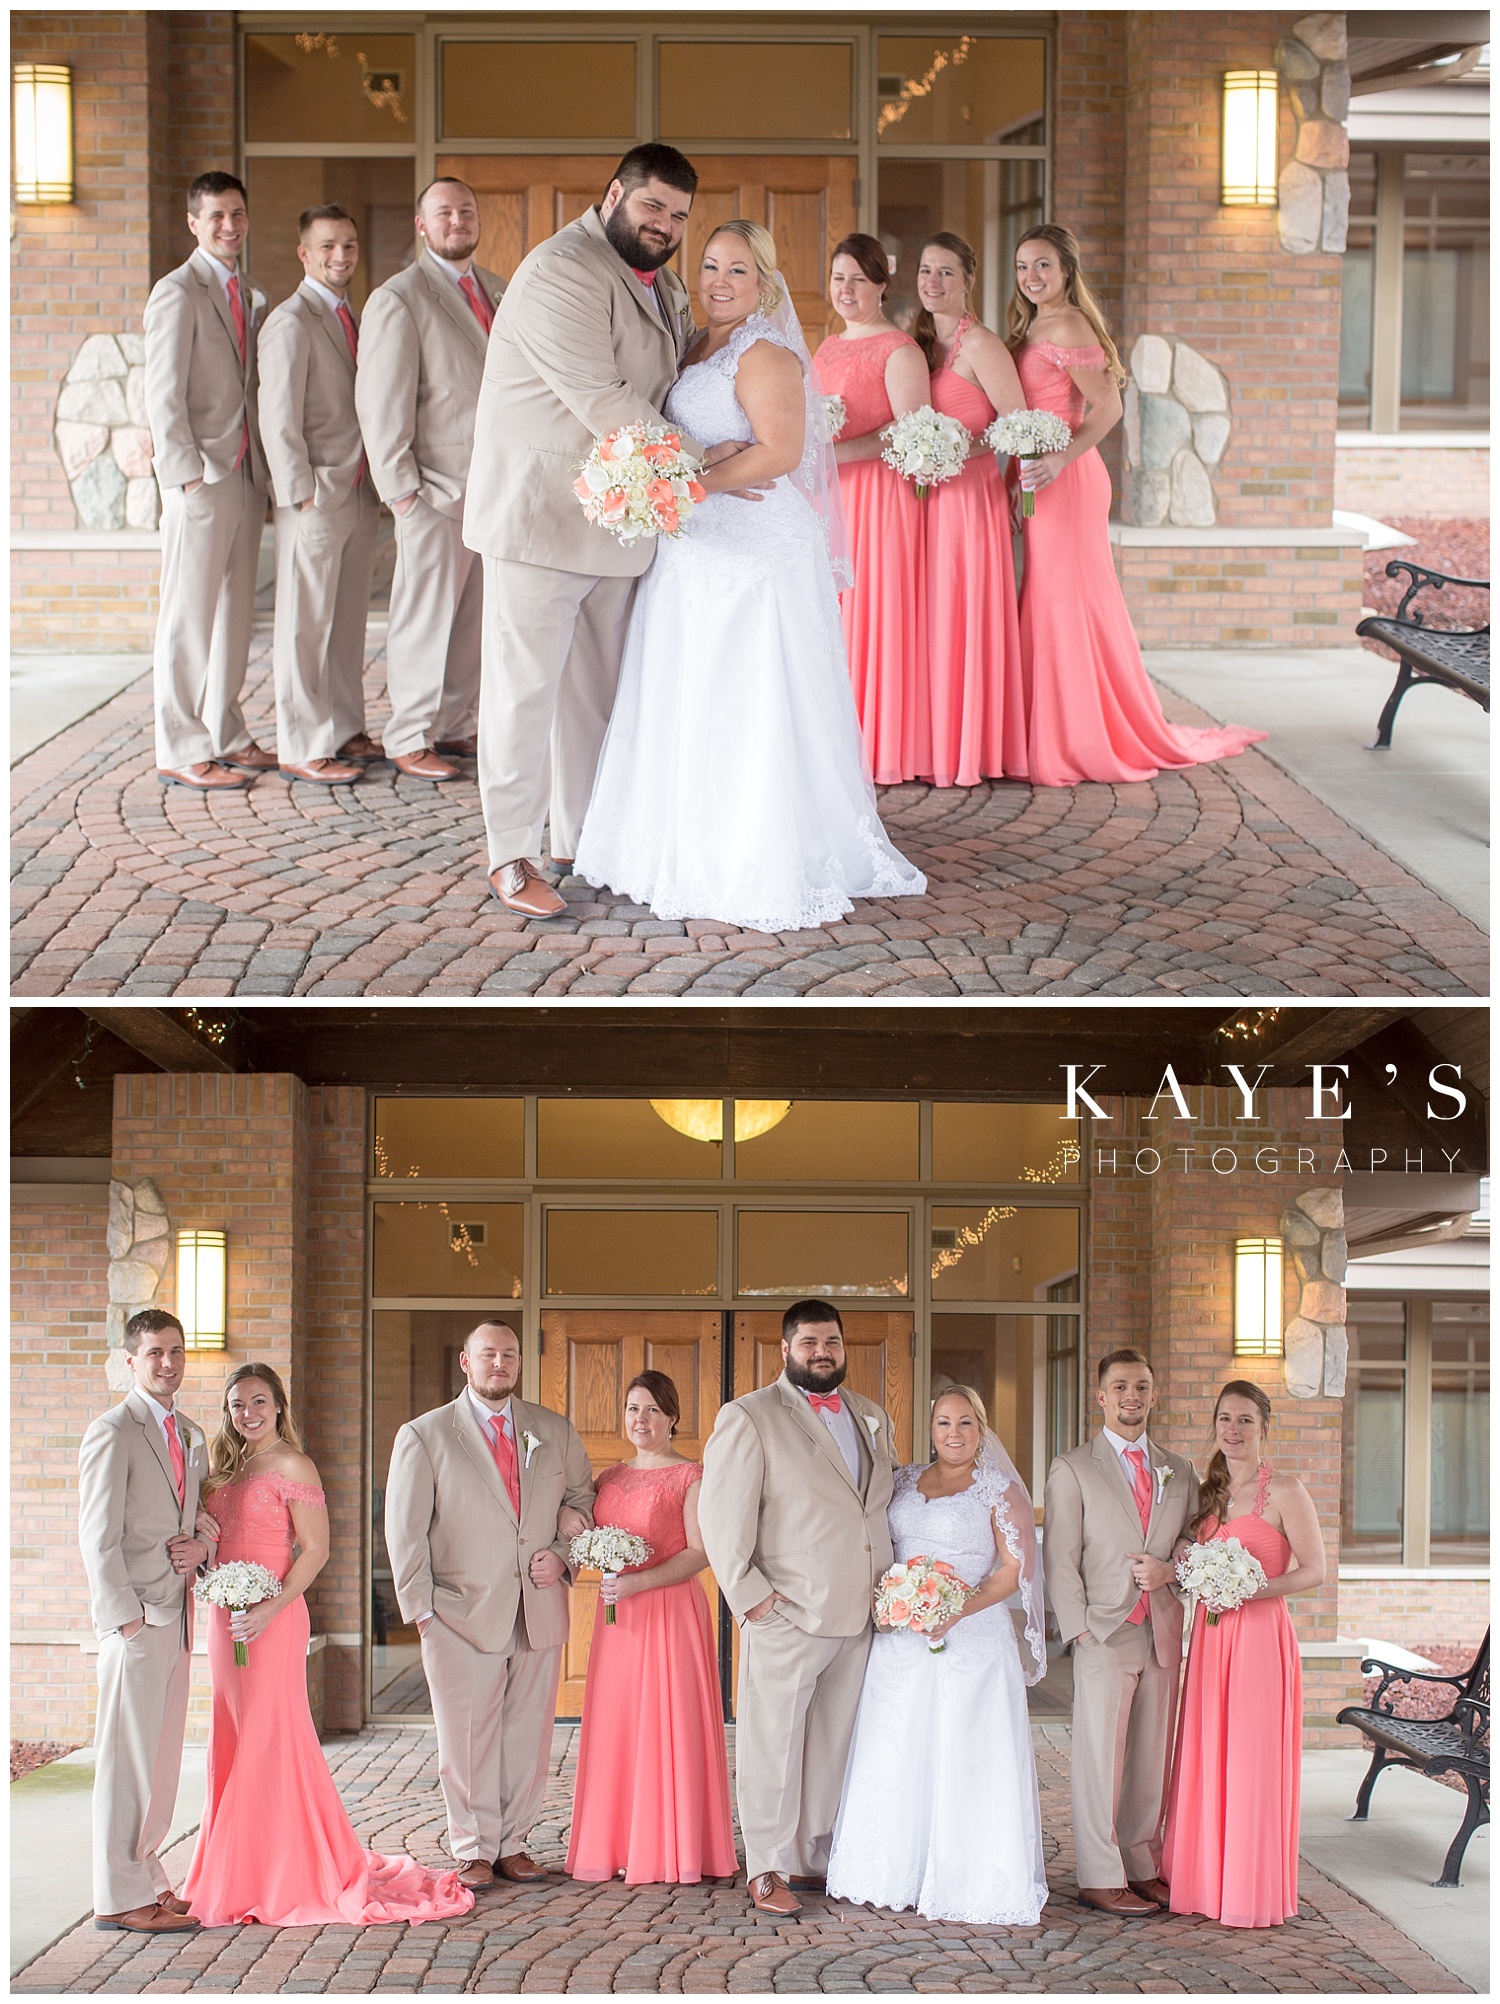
(732, 784)
(940, 1809)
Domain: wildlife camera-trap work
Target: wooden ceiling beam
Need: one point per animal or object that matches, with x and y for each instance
(168, 1037)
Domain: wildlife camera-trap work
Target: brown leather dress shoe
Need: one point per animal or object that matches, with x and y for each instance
(146, 1920)
(808, 1885)
(1117, 1900)
(520, 887)
(521, 1870)
(458, 747)
(770, 1894)
(324, 772)
(361, 750)
(425, 765)
(476, 1875)
(208, 777)
(171, 1904)
(1157, 1891)
(250, 759)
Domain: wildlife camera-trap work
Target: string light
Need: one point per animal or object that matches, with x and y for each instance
(966, 1237)
(915, 87)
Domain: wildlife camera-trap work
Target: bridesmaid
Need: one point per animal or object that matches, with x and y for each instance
(880, 373)
(1232, 1812)
(973, 638)
(1091, 710)
(651, 1801)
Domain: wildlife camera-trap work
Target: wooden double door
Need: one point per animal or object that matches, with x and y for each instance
(807, 202)
(590, 1355)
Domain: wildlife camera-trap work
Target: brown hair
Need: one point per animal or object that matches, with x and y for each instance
(150, 1322)
(226, 1456)
(809, 1312)
(1020, 313)
(869, 253)
(1107, 1364)
(653, 161)
(661, 1388)
(1213, 1497)
(325, 212)
(923, 328)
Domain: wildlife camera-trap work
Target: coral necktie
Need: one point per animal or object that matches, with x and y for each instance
(1140, 1478)
(504, 1450)
(179, 1459)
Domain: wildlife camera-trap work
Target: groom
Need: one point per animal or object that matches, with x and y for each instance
(1115, 1509)
(588, 337)
(796, 1479)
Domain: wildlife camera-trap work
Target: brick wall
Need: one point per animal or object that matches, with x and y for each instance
(1258, 596)
(93, 601)
(1447, 483)
(1418, 1611)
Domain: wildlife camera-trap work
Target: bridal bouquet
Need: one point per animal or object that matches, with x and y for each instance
(1027, 435)
(638, 482)
(924, 446)
(1222, 1574)
(234, 1586)
(610, 1550)
(918, 1594)
(836, 414)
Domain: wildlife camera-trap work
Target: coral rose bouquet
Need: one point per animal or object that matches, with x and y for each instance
(925, 447)
(610, 1550)
(1027, 435)
(234, 1586)
(835, 414)
(919, 1594)
(1222, 1574)
(638, 482)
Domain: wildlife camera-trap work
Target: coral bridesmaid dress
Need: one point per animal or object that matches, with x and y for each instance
(1091, 710)
(973, 635)
(1233, 1808)
(652, 1795)
(275, 1845)
(885, 615)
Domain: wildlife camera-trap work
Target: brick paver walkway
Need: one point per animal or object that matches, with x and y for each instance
(1221, 881)
(602, 1939)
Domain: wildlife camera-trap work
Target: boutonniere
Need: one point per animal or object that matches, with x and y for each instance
(531, 1443)
(874, 1425)
(1163, 1477)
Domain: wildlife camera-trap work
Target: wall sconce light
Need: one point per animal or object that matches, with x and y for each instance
(202, 1288)
(42, 124)
(703, 1119)
(1248, 172)
(1257, 1298)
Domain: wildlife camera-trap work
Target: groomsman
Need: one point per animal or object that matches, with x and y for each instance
(139, 1471)
(326, 510)
(421, 361)
(1115, 1510)
(201, 407)
(480, 1502)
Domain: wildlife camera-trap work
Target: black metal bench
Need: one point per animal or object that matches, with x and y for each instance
(1458, 1743)
(1456, 660)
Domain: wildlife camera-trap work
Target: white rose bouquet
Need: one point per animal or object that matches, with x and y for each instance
(836, 414)
(1222, 1574)
(919, 1594)
(1027, 435)
(638, 482)
(926, 447)
(610, 1550)
(234, 1586)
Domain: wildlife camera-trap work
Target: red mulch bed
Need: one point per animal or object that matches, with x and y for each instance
(1460, 549)
(1428, 1701)
(27, 1754)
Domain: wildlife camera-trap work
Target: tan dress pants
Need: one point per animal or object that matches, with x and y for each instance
(143, 1700)
(551, 659)
(210, 543)
(433, 641)
(1124, 1702)
(494, 1732)
(325, 565)
(797, 1702)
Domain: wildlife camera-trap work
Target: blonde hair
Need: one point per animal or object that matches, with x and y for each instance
(226, 1456)
(1021, 311)
(967, 1393)
(762, 247)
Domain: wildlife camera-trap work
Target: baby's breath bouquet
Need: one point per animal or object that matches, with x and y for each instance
(234, 1586)
(1027, 435)
(918, 1594)
(1222, 1574)
(638, 482)
(924, 446)
(835, 414)
(610, 1550)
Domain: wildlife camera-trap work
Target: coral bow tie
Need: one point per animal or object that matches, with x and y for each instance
(832, 1404)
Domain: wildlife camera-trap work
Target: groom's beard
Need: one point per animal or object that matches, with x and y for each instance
(637, 252)
(824, 1378)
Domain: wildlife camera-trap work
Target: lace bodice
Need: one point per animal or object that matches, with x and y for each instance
(648, 1501)
(855, 371)
(961, 1530)
(703, 399)
(255, 1519)
(1043, 368)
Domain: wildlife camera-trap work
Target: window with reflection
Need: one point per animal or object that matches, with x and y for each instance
(669, 1140)
(1374, 1448)
(989, 1143)
(823, 1252)
(756, 90)
(347, 87)
(450, 1137)
(991, 204)
(633, 1253)
(1445, 324)
(961, 90)
(1004, 1358)
(453, 1248)
(1356, 295)
(1460, 1433)
(379, 194)
(833, 1141)
(1001, 1252)
(538, 90)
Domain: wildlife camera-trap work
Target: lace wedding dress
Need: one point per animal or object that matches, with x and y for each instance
(940, 1809)
(732, 784)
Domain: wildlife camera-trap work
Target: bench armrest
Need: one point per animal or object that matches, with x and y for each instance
(1421, 580)
(1391, 1675)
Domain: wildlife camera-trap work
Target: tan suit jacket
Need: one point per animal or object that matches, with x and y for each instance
(1092, 1526)
(127, 1510)
(780, 1513)
(578, 347)
(421, 362)
(198, 392)
(309, 423)
(456, 1547)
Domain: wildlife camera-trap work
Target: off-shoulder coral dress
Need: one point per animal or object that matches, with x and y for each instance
(275, 1844)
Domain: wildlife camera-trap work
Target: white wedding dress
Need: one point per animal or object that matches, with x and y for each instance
(940, 1809)
(732, 784)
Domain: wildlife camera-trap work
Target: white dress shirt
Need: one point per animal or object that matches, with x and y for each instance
(845, 1433)
(449, 269)
(221, 271)
(487, 1413)
(1122, 1447)
(161, 1414)
(331, 299)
